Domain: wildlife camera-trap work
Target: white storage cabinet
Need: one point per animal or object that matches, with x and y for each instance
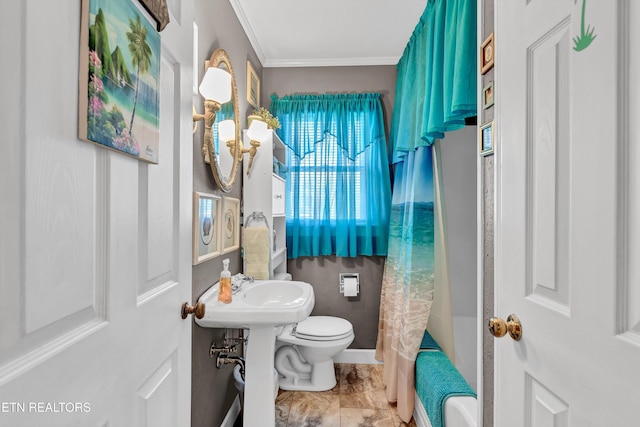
(264, 191)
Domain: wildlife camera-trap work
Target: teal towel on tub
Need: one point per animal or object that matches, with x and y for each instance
(428, 342)
(436, 380)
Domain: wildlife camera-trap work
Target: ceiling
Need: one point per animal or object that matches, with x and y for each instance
(306, 33)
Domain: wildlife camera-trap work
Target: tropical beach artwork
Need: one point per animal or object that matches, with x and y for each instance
(119, 99)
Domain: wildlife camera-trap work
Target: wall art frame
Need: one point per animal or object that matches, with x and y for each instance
(119, 80)
(230, 225)
(196, 77)
(253, 86)
(207, 210)
(487, 53)
(487, 95)
(158, 9)
(487, 141)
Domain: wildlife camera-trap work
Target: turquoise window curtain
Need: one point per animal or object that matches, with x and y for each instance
(435, 92)
(338, 189)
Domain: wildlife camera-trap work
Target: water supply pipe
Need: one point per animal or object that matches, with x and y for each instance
(227, 359)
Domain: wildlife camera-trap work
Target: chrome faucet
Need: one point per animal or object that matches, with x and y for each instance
(237, 280)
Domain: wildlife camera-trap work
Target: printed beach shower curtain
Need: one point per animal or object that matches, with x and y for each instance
(408, 280)
(435, 92)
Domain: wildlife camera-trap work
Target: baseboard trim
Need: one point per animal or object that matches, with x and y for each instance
(232, 414)
(420, 414)
(357, 356)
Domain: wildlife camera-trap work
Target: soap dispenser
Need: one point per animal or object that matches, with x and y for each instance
(224, 293)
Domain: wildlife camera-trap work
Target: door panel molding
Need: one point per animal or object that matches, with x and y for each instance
(628, 288)
(158, 236)
(157, 396)
(548, 169)
(35, 356)
(55, 224)
(543, 407)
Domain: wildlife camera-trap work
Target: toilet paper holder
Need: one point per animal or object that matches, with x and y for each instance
(344, 276)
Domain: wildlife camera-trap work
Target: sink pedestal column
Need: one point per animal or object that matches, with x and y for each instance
(259, 402)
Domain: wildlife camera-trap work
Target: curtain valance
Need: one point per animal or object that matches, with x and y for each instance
(436, 86)
(355, 120)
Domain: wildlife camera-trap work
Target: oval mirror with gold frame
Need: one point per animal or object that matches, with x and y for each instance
(220, 147)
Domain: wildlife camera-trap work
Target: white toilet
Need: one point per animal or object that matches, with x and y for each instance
(304, 352)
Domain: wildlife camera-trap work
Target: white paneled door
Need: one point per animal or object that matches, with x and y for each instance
(568, 212)
(94, 245)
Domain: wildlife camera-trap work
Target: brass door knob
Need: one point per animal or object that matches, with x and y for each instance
(189, 309)
(499, 328)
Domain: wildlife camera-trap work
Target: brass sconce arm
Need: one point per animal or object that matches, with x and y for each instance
(236, 149)
(252, 153)
(211, 107)
(257, 133)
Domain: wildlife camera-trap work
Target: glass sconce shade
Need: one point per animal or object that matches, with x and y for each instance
(216, 85)
(227, 130)
(258, 131)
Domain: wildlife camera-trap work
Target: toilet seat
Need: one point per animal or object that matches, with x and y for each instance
(323, 328)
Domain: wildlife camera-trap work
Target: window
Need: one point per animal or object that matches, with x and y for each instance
(318, 173)
(338, 190)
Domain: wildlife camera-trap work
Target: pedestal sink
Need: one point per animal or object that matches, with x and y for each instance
(260, 307)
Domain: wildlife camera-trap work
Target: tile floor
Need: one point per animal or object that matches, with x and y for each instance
(358, 400)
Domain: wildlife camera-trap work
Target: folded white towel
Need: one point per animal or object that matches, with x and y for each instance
(256, 252)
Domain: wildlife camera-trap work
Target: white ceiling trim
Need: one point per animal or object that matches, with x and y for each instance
(305, 51)
(330, 62)
(246, 26)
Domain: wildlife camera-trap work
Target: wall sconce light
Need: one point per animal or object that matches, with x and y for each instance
(216, 90)
(227, 134)
(257, 133)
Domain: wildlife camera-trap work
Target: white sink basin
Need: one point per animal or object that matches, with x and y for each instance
(276, 293)
(260, 306)
(263, 302)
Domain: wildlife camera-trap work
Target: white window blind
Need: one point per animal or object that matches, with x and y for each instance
(317, 177)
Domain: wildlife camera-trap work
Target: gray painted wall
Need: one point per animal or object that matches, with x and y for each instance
(458, 156)
(458, 160)
(212, 389)
(323, 272)
(487, 174)
(362, 311)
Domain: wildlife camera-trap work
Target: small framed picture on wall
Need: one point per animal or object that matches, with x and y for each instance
(486, 139)
(487, 95)
(230, 224)
(206, 216)
(253, 86)
(487, 52)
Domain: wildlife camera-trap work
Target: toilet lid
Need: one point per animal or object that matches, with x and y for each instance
(323, 328)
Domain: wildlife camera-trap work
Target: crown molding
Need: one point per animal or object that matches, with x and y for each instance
(306, 62)
(246, 26)
(330, 62)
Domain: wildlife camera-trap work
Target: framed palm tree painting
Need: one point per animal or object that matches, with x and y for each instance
(119, 79)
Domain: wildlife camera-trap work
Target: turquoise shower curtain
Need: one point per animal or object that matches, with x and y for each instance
(435, 92)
